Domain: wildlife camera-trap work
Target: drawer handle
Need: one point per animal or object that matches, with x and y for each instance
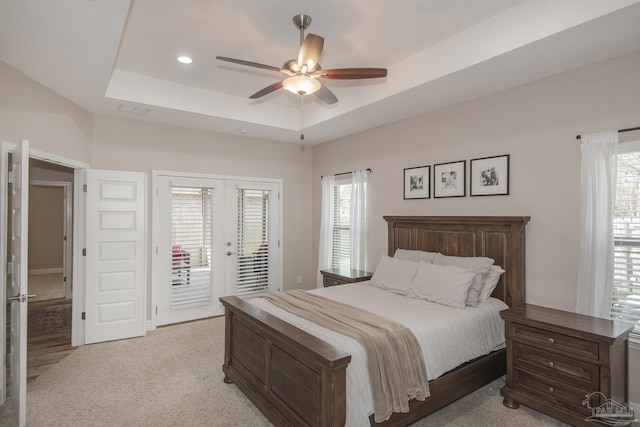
(551, 340)
(551, 364)
(551, 389)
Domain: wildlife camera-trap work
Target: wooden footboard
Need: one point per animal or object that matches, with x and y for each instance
(293, 377)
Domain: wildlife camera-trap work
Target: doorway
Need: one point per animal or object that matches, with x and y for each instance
(49, 262)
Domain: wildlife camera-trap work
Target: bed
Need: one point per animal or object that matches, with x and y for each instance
(296, 379)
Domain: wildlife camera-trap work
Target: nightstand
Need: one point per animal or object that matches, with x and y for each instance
(340, 276)
(556, 358)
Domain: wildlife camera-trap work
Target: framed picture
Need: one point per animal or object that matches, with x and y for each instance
(416, 182)
(490, 176)
(449, 179)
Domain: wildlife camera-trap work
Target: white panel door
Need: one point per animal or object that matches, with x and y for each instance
(115, 255)
(18, 284)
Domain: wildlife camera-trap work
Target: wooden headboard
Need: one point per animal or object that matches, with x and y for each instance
(498, 237)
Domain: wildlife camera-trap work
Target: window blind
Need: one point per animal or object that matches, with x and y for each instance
(191, 212)
(254, 231)
(625, 305)
(341, 250)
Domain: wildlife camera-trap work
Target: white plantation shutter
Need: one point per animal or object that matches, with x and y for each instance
(625, 304)
(341, 253)
(191, 237)
(255, 232)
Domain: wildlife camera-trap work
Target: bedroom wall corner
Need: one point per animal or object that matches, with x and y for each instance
(49, 121)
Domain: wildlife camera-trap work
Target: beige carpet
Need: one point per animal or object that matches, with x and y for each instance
(173, 377)
(46, 286)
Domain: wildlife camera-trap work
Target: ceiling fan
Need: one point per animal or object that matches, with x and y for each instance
(305, 72)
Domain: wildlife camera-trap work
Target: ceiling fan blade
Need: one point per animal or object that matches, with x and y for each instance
(254, 64)
(310, 51)
(351, 73)
(325, 95)
(267, 90)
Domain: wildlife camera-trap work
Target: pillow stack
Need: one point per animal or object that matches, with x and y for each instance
(447, 280)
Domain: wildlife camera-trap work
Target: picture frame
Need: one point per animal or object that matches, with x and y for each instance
(449, 179)
(490, 176)
(417, 182)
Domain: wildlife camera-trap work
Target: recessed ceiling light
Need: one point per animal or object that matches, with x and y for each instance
(185, 59)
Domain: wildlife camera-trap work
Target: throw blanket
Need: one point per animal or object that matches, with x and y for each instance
(394, 358)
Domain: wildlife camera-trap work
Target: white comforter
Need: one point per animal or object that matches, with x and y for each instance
(448, 336)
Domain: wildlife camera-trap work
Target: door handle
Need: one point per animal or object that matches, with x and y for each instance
(229, 253)
(20, 297)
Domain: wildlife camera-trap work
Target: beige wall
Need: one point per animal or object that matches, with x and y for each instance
(46, 215)
(29, 110)
(46, 227)
(536, 124)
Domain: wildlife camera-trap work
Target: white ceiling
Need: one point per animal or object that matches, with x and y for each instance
(106, 55)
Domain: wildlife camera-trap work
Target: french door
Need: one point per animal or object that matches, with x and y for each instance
(212, 237)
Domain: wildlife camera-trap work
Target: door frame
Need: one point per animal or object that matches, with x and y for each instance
(156, 275)
(67, 255)
(7, 147)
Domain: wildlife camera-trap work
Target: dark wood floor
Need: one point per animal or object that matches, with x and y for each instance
(45, 349)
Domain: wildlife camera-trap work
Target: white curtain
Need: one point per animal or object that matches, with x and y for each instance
(358, 219)
(326, 226)
(595, 276)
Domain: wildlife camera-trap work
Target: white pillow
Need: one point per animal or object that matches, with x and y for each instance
(414, 255)
(479, 265)
(442, 284)
(395, 275)
(490, 282)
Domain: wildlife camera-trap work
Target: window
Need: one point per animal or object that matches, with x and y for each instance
(341, 250)
(343, 223)
(625, 304)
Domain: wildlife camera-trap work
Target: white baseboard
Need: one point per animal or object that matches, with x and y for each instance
(41, 271)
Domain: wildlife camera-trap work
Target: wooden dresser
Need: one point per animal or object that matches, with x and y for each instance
(341, 276)
(555, 358)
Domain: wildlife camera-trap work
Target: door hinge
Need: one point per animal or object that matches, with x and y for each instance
(278, 243)
(64, 279)
(84, 188)
(156, 309)
(84, 317)
(84, 251)
(10, 177)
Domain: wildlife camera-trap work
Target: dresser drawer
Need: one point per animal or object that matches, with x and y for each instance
(553, 392)
(555, 342)
(569, 371)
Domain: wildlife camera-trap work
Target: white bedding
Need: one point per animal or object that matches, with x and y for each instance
(449, 336)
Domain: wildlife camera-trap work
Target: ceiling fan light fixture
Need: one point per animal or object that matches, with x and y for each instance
(301, 85)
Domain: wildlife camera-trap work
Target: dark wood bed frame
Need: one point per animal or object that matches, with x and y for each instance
(297, 379)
